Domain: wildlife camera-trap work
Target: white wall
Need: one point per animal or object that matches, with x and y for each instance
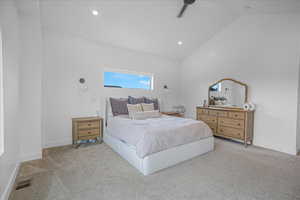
(68, 58)
(9, 160)
(1, 100)
(262, 51)
(30, 80)
(298, 114)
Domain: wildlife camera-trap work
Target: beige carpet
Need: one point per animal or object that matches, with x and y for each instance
(96, 172)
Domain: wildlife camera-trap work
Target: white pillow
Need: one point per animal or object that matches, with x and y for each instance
(134, 108)
(147, 106)
(146, 115)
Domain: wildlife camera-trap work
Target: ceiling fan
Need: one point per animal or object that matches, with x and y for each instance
(186, 3)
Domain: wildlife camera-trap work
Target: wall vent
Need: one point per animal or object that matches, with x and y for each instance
(23, 184)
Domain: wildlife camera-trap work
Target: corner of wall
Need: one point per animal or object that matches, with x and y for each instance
(298, 113)
(11, 182)
(31, 156)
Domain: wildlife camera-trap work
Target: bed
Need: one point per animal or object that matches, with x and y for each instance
(154, 144)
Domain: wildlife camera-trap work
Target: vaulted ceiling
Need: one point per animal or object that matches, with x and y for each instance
(151, 25)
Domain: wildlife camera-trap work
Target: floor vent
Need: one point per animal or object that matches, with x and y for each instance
(23, 184)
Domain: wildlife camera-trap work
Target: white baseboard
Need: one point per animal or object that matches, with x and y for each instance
(33, 156)
(57, 143)
(10, 186)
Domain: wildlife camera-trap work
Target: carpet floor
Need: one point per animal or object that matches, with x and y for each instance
(97, 172)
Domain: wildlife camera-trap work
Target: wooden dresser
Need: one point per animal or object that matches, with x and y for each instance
(87, 128)
(228, 123)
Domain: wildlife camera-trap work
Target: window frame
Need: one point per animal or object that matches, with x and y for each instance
(122, 71)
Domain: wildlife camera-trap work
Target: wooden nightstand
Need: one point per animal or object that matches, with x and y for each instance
(87, 128)
(174, 114)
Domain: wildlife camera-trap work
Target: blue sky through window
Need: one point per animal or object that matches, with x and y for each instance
(124, 80)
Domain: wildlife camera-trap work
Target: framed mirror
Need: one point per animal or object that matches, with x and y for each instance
(227, 93)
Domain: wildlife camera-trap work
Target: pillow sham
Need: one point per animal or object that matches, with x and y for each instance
(147, 106)
(154, 101)
(133, 100)
(119, 106)
(134, 108)
(146, 115)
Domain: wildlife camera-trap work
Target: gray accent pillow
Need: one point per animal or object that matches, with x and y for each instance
(133, 100)
(119, 106)
(154, 101)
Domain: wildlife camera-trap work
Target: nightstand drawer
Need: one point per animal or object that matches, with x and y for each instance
(88, 124)
(88, 132)
(174, 114)
(89, 137)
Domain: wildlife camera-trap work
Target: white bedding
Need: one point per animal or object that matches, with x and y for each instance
(156, 134)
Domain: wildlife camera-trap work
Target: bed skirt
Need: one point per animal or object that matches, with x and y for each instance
(163, 159)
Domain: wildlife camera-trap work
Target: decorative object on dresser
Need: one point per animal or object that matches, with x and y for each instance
(87, 128)
(249, 106)
(225, 114)
(174, 114)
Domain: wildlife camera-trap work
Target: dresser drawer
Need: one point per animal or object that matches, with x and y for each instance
(236, 115)
(88, 132)
(222, 114)
(217, 113)
(234, 123)
(88, 137)
(213, 127)
(88, 124)
(208, 119)
(231, 132)
(202, 111)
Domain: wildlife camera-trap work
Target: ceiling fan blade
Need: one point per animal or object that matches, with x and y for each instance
(182, 10)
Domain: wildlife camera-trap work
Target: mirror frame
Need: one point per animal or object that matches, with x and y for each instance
(229, 79)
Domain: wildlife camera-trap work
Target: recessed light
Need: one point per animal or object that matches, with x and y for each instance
(95, 12)
(179, 43)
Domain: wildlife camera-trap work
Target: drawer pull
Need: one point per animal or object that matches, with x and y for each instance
(236, 115)
(239, 124)
(89, 124)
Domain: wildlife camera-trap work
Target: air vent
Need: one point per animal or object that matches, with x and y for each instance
(23, 184)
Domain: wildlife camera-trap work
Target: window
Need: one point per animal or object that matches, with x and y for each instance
(1, 101)
(126, 79)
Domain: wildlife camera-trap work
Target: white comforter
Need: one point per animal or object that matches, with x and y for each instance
(156, 134)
